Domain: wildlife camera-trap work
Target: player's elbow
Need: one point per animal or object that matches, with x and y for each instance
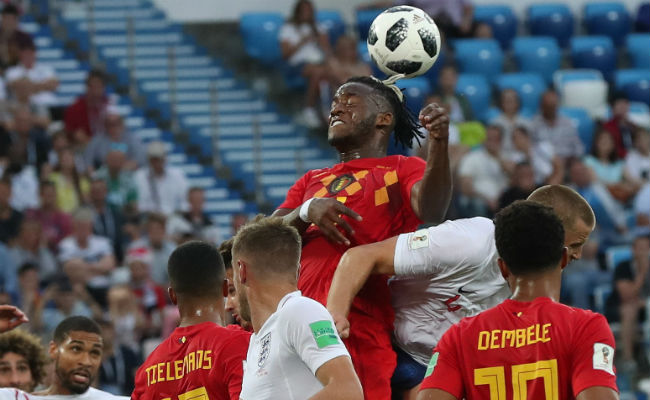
(346, 389)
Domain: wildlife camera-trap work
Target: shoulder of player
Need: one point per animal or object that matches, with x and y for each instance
(297, 308)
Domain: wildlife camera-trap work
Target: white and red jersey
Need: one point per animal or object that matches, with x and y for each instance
(90, 394)
(443, 274)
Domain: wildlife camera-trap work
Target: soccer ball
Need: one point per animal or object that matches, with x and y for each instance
(404, 40)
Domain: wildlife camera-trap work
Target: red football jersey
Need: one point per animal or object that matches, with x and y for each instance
(534, 350)
(378, 189)
(201, 361)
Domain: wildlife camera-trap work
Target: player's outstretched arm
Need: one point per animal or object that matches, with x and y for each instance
(11, 317)
(435, 394)
(598, 393)
(356, 265)
(339, 381)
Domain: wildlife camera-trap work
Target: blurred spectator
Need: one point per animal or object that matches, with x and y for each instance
(547, 168)
(10, 36)
(459, 108)
(637, 160)
(237, 221)
(21, 99)
(60, 142)
(152, 298)
(305, 47)
(132, 229)
(29, 141)
(122, 192)
(483, 176)
(619, 126)
(115, 137)
(522, 185)
(161, 188)
(630, 291)
(124, 313)
(71, 188)
(24, 180)
(37, 79)
(10, 218)
(581, 276)
(454, 17)
(483, 30)
(108, 218)
(86, 257)
(119, 363)
(22, 360)
(161, 247)
(55, 223)
(510, 117)
(556, 129)
(642, 206)
(194, 222)
(29, 247)
(85, 117)
(29, 288)
(345, 62)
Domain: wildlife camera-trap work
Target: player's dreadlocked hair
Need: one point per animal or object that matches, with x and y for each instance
(407, 126)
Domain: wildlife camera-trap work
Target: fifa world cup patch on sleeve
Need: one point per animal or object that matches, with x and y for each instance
(419, 239)
(432, 364)
(604, 357)
(324, 333)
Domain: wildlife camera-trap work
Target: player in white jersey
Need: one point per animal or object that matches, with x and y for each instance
(442, 274)
(295, 352)
(90, 394)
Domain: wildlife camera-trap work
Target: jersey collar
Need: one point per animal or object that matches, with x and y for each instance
(286, 298)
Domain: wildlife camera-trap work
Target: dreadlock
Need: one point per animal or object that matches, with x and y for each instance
(407, 127)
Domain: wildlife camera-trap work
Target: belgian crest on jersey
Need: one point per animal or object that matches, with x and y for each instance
(265, 351)
(340, 183)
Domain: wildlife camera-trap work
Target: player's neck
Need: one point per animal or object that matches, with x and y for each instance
(527, 289)
(264, 301)
(354, 154)
(55, 389)
(194, 313)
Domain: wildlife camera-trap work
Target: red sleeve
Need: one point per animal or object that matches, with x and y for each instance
(593, 361)
(410, 171)
(296, 195)
(232, 359)
(444, 370)
(140, 384)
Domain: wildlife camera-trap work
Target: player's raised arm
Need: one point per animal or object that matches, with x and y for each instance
(11, 317)
(339, 381)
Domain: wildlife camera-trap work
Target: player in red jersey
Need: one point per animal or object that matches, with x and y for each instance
(200, 359)
(529, 346)
(389, 195)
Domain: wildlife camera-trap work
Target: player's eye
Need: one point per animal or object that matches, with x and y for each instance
(23, 368)
(5, 370)
(75, 349)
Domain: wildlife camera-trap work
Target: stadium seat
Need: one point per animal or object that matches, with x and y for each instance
(476, 90)
(562, 76)
(642, 23)
(637, 45)
(479, 56)
(595, 52)
(362, 49)
(332, 22)
(590, 95)
(434, 71)
(635, 83)
(539, 54)
(616, 255)
(609, 18)
(415, 91)
(260, 33)
(582, 122)
(364, 20)
(529, 87)
(502, 20)
(552, 19)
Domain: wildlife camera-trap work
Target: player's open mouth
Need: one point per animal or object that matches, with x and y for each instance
(81, 377)
(336, 122)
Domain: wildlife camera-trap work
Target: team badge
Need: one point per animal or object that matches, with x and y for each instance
(604, 357)
(340, 183)
(265, 351)
(419, 239)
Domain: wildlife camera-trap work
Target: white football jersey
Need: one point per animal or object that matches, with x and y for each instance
(443, 274)
(90, 394)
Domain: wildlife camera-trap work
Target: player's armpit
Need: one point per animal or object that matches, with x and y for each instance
(597, 393)
(435, 394)
(339, 380)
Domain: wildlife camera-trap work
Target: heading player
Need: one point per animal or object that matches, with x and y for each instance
(391, 194)
(200, 359)
(529, 346)
(295, 352)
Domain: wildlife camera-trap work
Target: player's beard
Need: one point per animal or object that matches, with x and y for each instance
(67, 381)
(355, 136)
(244, 306)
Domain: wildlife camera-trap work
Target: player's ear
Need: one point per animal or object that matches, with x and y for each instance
(172, 295)
(565, 257)
(52, 349)
(243, 272)
(384, 121)
(224, 288)
(504, 268)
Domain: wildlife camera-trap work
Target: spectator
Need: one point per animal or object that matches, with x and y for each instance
(87, 258)
(637, 160)
(29, 288)
(21, 99)
(108, 219)
(510, 117)
(620, 126)
(483, 176)
(547, 167)
(581, 276)
(85, 118)
(161, 188)
(459, 108)
(122, 192)
(483, 30)
(119, 363)
(237, 221)
(161, 248)
(550, 126)
(59, 144)
(152, 298)
(306, 48)
(55, 224)
(522, 185)
(29, 247)
(22, 360)
(71, 188)
(116, 137)
(194, 222)
(24, 182)
(124, 313)
(132, 229)
(29, 141)
(630, 291)
(37, 79)
(10, 36)
(10, 218)
(454, 17)
(8, 279)
(345, 62)
(642, 206)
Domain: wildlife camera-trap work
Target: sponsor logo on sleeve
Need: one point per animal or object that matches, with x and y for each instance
(419, 239)
(604, 357)
(432, 364)
(324, 333)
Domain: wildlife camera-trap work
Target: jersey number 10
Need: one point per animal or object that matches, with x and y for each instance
(495, 377)
(196, 394)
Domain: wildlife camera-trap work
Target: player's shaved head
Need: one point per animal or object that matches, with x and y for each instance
(196, 269)
(567, 204)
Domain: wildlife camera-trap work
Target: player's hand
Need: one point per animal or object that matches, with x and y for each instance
(11, 317)
(342, 324)
(435, 120)
(327, 214)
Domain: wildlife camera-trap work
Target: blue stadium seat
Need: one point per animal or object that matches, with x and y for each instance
(642, 23)
(539, 54)
(583, 123)
(333, 23)
(637, 45)
(635, 83)
(529, 86)
(260, 33)
(609, 18)
(502, 20)
(479, 56)
(415, 91)
(560, 77)
(434, 71)
(475, 88)
(595, 52)
(364, 20)
(616, 255)
(552, 19)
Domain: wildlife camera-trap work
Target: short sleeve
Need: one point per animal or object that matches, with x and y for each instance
(444, 370)
(310, 331)
(593, 358)
(410, 171)
(296, 194)
(231, 358)
(451, 245)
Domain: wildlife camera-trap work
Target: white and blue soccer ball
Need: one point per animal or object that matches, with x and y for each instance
(404, 40)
